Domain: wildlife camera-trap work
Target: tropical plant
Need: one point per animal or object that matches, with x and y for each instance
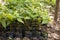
(49, 2)
(22, 10)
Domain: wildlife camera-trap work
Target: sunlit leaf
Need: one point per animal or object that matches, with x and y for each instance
(3, 22)
(20, 20)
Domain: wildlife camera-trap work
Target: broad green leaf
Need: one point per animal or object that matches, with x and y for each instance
(8, 22)
(9, 16)
(20, 20)
(3, 22)
(27, 18)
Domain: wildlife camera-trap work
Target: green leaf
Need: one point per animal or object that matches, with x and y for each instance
(3, 22)
(39, 19)
(9, 16)
(20, 20)
(27, 17)
(8, 22)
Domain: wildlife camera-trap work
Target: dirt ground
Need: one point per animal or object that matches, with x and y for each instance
(54, 31)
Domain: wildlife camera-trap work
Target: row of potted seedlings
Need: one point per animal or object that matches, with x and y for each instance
(22, 31)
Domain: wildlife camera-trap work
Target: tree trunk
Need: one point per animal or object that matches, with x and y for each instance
(56, 10)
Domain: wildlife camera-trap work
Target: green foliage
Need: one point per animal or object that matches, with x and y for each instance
(49, 2)
(21, 10)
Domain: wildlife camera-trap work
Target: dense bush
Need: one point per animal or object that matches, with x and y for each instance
(22, 10)
(49, 2)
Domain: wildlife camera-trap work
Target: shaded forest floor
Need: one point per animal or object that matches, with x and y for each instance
(54, 31)
(54, 28)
